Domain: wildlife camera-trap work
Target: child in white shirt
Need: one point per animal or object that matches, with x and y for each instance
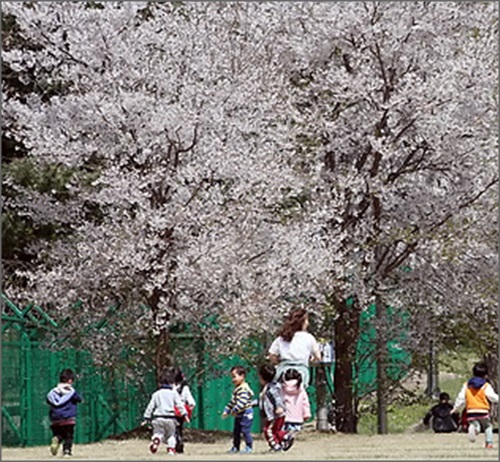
(161, 413)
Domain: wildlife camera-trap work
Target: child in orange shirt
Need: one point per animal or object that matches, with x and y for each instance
(477, 394)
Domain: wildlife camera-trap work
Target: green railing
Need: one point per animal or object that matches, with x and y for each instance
(113, 404)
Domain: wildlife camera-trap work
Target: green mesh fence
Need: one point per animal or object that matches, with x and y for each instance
(114, 405)
(111, 405)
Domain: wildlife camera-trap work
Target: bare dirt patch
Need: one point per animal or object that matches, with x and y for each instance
(191, 435)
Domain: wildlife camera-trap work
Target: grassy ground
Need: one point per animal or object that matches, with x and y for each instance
(402, 443)
(309, 446)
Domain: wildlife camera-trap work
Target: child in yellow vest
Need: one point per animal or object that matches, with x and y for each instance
(477, 394)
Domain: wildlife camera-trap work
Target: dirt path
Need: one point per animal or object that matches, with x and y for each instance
(309, 446)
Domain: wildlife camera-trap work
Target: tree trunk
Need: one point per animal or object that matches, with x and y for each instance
(346, 339)
(433, 373)
(162, 356)
(381, 359)
(162, 353)
(321, 402)
(491, 360)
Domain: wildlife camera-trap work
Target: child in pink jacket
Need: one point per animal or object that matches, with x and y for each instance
(296, 401)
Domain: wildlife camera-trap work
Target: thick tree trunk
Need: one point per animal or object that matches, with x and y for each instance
(162, 353)
(346, 338)
(491, 360)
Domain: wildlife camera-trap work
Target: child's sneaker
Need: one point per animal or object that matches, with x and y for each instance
(247, 450)
(471, 433)
(153, 447)
(171, 452)
(54, 445)
(488, 445)
(66, 454)
(276, 448)
(288, 441)
(233, 450)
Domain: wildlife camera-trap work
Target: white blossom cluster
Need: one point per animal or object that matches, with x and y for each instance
(246, 154)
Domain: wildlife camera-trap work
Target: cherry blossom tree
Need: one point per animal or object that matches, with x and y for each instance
(228, 159)
(172, 112)
(398, 107)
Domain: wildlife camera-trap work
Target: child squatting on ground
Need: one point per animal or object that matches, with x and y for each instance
(477, 394)
(240, 406)
(63, 400)
(160, 412)
(443, 421)
(273, 409)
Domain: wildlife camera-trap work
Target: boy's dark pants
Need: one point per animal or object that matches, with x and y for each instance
(242, 424)
(65, 434)
(179, 440)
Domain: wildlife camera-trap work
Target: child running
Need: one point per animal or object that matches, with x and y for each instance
(240, 406)
(63, 401)
(273, 409)
(187, 399)
(161, 413)
(477, 394)
(297, 406)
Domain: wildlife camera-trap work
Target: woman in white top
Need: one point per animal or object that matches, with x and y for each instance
(295, 347)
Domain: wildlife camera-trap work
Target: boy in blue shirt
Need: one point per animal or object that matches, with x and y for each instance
(63, 400)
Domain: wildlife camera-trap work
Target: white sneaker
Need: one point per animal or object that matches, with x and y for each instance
(471, 433)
